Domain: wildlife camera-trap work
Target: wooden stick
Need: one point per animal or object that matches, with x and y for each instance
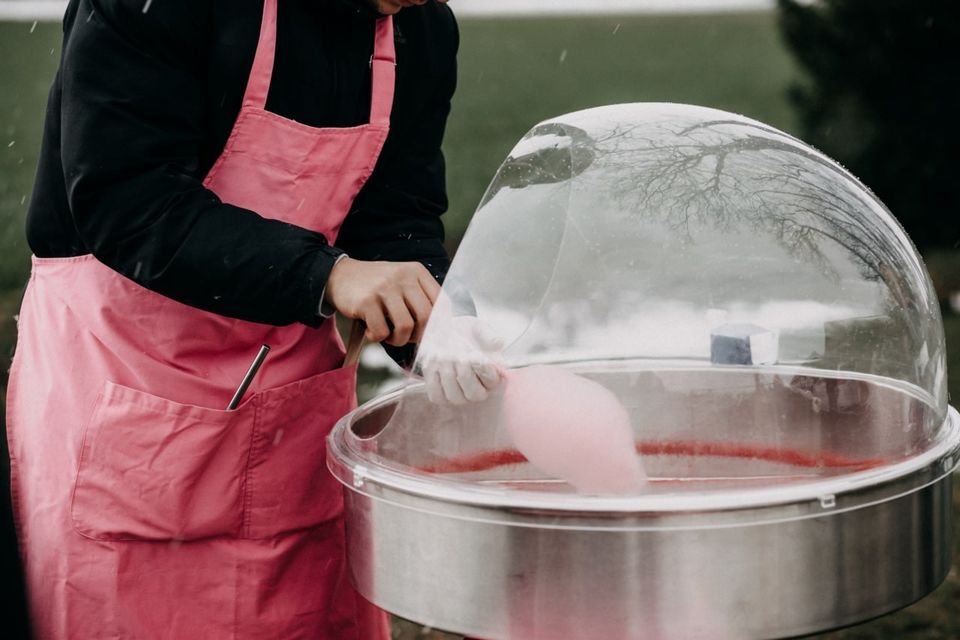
(355, 343)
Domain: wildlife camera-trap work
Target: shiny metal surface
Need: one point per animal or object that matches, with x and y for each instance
(492, 580)
(719, 549)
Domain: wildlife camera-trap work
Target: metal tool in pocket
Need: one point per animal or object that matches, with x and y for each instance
(248, 378)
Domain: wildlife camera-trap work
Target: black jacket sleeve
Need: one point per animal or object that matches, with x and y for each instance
(130, 163)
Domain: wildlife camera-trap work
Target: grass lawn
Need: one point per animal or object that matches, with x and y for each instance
(512, 75)
(28, 61)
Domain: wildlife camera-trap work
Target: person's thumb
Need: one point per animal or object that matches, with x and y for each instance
(486, 338)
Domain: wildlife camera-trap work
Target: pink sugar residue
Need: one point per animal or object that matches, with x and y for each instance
(492, 459)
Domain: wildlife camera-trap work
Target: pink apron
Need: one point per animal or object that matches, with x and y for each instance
(144, 509)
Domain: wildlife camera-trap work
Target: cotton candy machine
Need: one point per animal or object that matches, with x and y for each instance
(778, 348)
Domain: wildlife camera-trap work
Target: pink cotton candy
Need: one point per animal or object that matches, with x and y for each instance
(572, 428)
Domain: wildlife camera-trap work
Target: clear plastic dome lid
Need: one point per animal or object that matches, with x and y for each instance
(647, 230)
(728, 284)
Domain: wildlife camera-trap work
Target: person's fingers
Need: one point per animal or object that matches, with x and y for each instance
(473, 389)
(486, 338)
(377, 329)
(429, 285)
(459, 382)
(434, 386)
(487, 374)
(400, 319)
(420, 306)
(448, 380)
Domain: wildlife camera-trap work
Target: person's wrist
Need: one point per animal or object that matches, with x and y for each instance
(326, 308)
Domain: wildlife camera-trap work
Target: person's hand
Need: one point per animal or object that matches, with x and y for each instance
(393, 299)
(459, 358)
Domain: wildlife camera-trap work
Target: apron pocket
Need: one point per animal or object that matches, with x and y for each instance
(289, 485)
(152, 469)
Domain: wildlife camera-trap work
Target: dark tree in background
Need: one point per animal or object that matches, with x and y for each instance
(882, 96)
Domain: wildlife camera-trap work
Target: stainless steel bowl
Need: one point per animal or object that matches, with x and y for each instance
(813, 503)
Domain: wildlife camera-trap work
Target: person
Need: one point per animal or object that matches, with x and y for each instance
(216, 176)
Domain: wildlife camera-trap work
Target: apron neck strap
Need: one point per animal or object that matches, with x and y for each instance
(258, 86)
(383, 65)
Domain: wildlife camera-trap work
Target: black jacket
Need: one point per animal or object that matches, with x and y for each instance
(142, 105)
